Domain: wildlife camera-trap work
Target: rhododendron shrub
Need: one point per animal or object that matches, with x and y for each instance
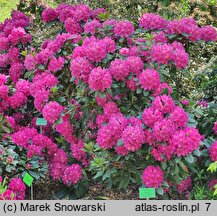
(101, 84)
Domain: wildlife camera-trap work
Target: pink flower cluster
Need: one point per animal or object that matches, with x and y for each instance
(213, 151)
(150, 21)
(164, 53)
(15, 190)
(153, 176)
(185, 185)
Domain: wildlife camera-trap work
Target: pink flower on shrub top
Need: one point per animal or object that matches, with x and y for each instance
(163, 130)
(133, 138)
(164, 103)
(40, 98)
(150, 116)
(123, 29)
(110, 22)
(4, 90)
(7, 195)
(162, 152)
(11, 121)
(3, 43)
(184, 185)
(124, 51)
(106, 137)
(81, 12)
(23, 86)
(208, 33)
(72, 26)
(161, 88)
(18, 100)
(95, 50)
(52, 111)
(162, 53)
(56, 64)
(213, 151)
(30, 62)
(153, 176)
(149, 79)
(15, 71)
(179, 117)
(185, 102)
(77, 149)
(212, 184)
(152, 21)
(96, 12)
(16, 35)
(49, 15)
(215, 127)
(100, 79)
(3, 60)
(136, 65)
(72, 174)
(13, 55)
(132, 84)
(110, 44)
(121, 150)
(109, 109)
(81, 68)
(160, 37)
(92, 26)
(185, 141)
(203, 103)
(18, 187)
(119, 69)
(180, 58)
(65, 128)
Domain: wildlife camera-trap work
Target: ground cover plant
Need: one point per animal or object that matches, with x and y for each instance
(110, 93)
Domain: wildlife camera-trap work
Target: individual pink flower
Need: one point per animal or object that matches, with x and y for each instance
(180, 58)
(208, 33)
(153, 176)
(164, 103)
(136, 65)
(52, 111)
(149, 79)
(123, 29)
(213, 151)
(92, 26)
(15, 71)
(3, 43)
(162, 53)
(110, 44)
(179, 117)
(212, 184)
(3, 79)
(18, 187)
(49, 15)
(121, 150)
(184, 185)
(185, 141)
(150, 116)
(72, 26)
(152, 21)
(81, 68)
(185, 102)
(119, 69)
(30, 62)
(56, 64)
(133, 138)
(72, 174)
(100, 79)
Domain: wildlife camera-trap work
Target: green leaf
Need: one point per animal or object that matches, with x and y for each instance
(189, 158)
(98, 174)
(160, 191)
(61, 192)
(82, 188)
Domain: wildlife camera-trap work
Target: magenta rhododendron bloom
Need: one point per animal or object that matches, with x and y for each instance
(184, 185)
(72, 174)
(123, 29)
(52, 111)
(153, 176)
(100, 79)
(212, 184)
(152, 21)
(213, 151)
(49, 15)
